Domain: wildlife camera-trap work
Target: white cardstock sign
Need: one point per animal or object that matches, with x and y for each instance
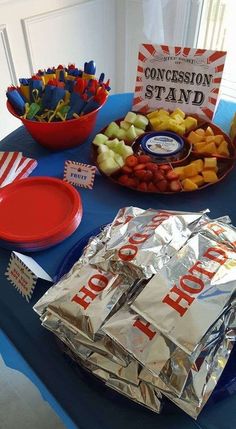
(23, 273)
(79, 174)
(177, 77)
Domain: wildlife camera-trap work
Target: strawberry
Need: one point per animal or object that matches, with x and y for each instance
(132, 183)
(148, 176)
(142, 187)
(158, 175)
(126, 169)
(152, 187)
(143, 159)
(162, 185)
(123, 179)
(171, 175)
(140, 174)
(175, 186)
(131, 161)
(152, 166)
(139, 167)
(165, 167)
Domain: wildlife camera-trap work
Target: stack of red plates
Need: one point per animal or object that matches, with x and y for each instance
(37, 213)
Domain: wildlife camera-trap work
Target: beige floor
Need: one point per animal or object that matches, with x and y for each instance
(21, 405)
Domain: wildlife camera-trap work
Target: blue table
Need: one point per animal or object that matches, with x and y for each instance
(80, 400)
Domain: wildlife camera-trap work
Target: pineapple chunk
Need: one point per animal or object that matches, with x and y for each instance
(163, 112)
(199, 164)
(209, 176)
(210, 164)
(155, 122)
(223, 149)
(153, 114)
(190, 170)
(194, 137)
(178, 119)
(198, 180)
(190, 123)
(178, 112)
(180, 172)
(177, 128)
(209, 131)
(188, 185)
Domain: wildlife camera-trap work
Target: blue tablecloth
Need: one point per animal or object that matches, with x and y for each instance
(87, 402)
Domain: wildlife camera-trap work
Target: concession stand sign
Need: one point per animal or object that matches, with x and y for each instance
(177, 77)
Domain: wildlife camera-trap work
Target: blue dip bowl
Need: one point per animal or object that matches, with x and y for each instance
(162, 145)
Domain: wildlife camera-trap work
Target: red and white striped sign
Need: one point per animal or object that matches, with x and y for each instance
(177, 77)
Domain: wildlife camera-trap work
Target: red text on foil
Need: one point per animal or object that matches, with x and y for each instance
(129, 251)
(88, 293)
(179, 297)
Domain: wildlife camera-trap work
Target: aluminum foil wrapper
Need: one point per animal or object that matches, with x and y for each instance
(85, 298)
(139, 338)
(143, 394)
(143, 245)
(128, 373)
(220, 232)
(190, 292)
(77, 341)
(201, 383)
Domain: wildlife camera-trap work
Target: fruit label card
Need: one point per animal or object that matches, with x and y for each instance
(79, 174)
(177, 77)
(23, 273)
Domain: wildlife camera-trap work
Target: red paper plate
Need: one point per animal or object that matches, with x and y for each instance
(39, 210)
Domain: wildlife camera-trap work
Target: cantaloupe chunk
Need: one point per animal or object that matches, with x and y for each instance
(209, 148)
(194, 137)
(200, 131)
(209, 176)
(223, 149)
(200, 147)
(188, 185)
(218, 139)
(210, 139)
(199, 164)
(190, 170)
(209, 132)
(180, 172)
(198, 180)
(210, 164)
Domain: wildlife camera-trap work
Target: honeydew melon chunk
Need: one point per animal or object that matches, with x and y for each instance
(121, 133)
(124, 125)
(100, 139)
(103, 156)
(102, 148)
(130, 117)
(119, 147)
(119, 160)
(131, 134)
(139, 131)
(109, 166)
(111, 143)
(111, 130)
(141, 122)
(126, 151)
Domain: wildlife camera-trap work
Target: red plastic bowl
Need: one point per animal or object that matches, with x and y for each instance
(60, 135)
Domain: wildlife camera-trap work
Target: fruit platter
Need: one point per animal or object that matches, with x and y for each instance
(163, 152)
